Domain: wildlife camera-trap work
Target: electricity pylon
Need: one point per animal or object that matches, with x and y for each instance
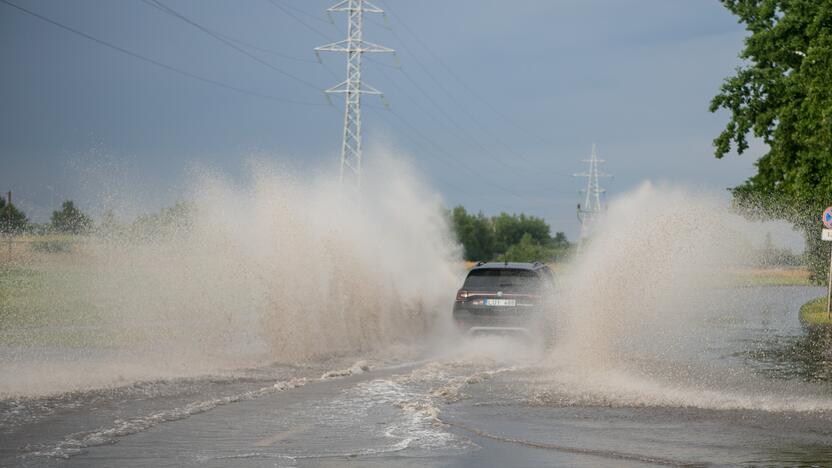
(353, 87)
(591, 209)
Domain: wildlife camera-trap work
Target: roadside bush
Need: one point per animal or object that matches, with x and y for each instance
(70, 220)
(528, 250)
(51, 246)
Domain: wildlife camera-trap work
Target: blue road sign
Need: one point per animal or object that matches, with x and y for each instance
(827, 218)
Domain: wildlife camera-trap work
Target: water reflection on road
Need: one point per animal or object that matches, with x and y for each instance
(745, 383)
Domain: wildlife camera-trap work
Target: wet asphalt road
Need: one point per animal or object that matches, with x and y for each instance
(756, 392)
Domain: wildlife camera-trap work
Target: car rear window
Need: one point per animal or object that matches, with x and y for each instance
(502, 279)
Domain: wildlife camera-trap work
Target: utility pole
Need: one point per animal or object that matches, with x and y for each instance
(353, 87)
(590, 210)
(829, 288)
(9, 221)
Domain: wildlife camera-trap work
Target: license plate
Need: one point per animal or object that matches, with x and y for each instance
(500, 302)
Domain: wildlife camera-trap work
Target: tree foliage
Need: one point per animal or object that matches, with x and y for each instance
(510, 229)
(783, 96)
(559, 247)
(520, 237)
(70, 220)
(12, 220)
(168, 221)
(528, 249)
(475, 234)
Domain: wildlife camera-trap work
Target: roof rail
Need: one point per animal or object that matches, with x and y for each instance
(481, 262)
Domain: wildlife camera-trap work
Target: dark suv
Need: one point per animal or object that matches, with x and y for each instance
(506, 298)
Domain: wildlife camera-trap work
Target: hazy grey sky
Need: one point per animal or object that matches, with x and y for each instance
(530, 83)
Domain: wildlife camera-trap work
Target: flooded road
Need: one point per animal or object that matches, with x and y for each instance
(744, 383)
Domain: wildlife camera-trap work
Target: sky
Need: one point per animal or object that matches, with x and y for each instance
(518, 90)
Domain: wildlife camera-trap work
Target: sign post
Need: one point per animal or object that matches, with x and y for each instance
(9, 229)
(827, 236)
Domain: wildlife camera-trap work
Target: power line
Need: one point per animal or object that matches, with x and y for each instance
(289, 13)
(166, 9)
(387, 65)
(452, 96)
(156, 62)
(304, 23)
(456, 77)
(458, 126)
(447, 116)
(432, 142)
(414, 130)
(459, 105)
(264, 50)
(425, 150)
(221, 36)
(307, 14)
(450, 157)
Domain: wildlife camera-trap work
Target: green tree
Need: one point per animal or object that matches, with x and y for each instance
(510, 229)
(12, 220)
(475, 233)
(784, 97)
(108, 222)
(528, 249)
(70, 220)
(560, 247)
(109, 227)
(169, 221)
(521, 237)
(560, 240)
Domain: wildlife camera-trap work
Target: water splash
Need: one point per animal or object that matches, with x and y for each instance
(281, 268)
(648, 309)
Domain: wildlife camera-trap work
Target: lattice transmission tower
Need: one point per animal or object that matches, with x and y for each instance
(354, 46)
(591, 209)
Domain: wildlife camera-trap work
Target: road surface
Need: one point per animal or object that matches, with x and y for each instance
(755, 391)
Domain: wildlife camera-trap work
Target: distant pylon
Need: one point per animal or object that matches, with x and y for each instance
(591, 209)
(353, 87)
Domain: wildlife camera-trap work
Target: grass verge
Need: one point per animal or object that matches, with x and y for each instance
(44, 305)
(814, 312)
(771, 277)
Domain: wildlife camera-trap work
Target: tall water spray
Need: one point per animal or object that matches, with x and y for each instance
(647, 310)
(279, 269)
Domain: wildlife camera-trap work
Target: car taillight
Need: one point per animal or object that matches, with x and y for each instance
(461, 295)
